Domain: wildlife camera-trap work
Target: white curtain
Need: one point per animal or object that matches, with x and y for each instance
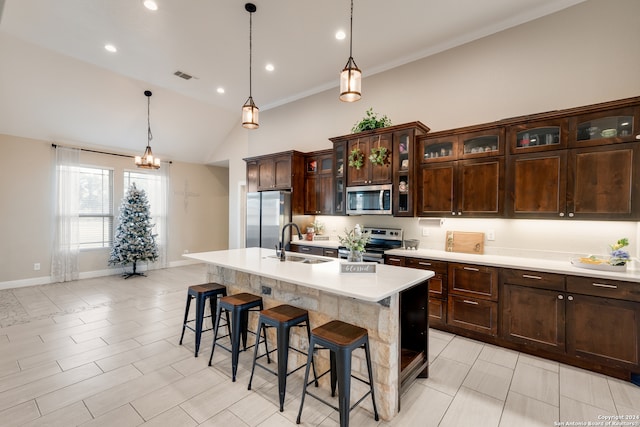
(66, 242)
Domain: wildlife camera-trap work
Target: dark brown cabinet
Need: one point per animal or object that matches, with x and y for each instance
(276, 172)
(398, 169)
(318, 198)
(598, 182)
(602, 182)
(472, 298)
(437, 288)
(589, 319)
(339, 177)
(404, 160)
(370, 173)
(533, 311)
(472, 186)
(610, 123)
(537, 185)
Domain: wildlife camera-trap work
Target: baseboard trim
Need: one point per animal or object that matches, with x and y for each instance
(45, 280)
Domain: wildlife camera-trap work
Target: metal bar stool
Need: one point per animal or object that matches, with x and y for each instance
(283, 318)
(341, 339)
(239, 305)
(201, 292)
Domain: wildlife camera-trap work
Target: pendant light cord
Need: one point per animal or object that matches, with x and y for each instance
(351, 33)
(250, 48)
(149, 134)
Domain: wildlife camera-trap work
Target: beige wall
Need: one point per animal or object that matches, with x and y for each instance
(567, 59)
(198, 224)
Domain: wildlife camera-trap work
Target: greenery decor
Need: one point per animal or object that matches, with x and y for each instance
(371, 121)
(134, 240)
(354, 240)
(378, 155)
(356, 158)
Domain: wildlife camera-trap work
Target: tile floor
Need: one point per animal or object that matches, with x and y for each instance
(104, 352)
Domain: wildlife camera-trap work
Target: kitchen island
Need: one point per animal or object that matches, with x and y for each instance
(391, 304)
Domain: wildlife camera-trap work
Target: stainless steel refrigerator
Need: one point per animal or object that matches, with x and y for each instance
(267, 213)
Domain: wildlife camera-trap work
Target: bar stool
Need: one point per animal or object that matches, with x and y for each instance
(239, 305)
(201, 292)
(283, 318)
(341, 339)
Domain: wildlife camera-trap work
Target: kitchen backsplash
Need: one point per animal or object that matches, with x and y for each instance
(527, 238)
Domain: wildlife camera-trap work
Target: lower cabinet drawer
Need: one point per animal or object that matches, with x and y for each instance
(473, 314)
(437, 311)
(311, 250)
(333, 253)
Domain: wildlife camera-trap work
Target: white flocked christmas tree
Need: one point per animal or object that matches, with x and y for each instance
(134, 240)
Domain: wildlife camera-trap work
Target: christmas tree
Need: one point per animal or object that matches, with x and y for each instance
(134, 239)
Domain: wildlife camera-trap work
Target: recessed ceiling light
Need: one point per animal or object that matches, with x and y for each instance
(340, 35)
(110, 48)
(220, 90)
(150, 4)
(269, 67)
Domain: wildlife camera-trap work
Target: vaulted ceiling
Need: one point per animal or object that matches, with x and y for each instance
(58, 83)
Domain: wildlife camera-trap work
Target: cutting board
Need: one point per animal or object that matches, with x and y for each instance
(464, 241)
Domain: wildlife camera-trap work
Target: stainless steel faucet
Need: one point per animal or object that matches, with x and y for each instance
(282, 254)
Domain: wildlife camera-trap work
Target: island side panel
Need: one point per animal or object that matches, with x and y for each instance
(380, 319)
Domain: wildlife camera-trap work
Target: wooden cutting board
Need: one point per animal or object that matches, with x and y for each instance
(464, 241)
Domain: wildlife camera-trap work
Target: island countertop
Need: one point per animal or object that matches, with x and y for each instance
(387, 281)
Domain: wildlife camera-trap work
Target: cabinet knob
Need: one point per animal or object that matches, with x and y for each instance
(570, 298)
(570, 214)
(561, 214)
(560, 296)
(453, 213)
(459, 213)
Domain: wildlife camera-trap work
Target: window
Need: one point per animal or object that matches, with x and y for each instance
(96, 207)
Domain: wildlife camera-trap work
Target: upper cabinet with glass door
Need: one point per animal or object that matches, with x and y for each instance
(538, 136)
(605, 127)
(484, 143)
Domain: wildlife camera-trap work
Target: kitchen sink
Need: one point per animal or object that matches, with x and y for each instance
(301, 259)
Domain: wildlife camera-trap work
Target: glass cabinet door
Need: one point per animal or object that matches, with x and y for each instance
(339, 177)
(485, 143)
(607, 127)
(538, 136)
(438, 149)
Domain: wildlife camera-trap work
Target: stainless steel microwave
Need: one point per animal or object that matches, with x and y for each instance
(369, 200)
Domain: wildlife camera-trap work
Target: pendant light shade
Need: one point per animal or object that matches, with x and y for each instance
(351, 76)
(147, 161)
(249, 109)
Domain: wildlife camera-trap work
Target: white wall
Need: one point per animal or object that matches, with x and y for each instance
(581, 55)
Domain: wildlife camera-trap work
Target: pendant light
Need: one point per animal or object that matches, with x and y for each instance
(147, 161)
(351, 76)
(249, 109)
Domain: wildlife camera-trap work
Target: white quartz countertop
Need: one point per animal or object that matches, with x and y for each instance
(543, 265)
(387, 281)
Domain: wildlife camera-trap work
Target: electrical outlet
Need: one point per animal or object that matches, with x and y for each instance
(36, 266)
(491, 235)
(425, 231)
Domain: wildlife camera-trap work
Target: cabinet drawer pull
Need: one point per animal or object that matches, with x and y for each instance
(394, 259)
(471, 268)
(466, 301)
(529, 276)
(305, 249)
(603, 285)
(424, 263)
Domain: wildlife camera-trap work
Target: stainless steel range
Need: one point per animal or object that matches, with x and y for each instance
(381, 239)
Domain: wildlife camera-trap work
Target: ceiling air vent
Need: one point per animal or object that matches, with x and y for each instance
(183, 75)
